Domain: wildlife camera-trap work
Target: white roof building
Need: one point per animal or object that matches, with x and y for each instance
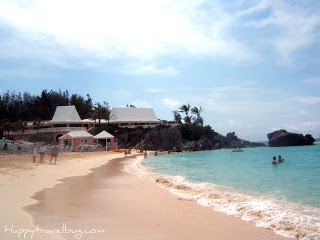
(65, 114)
(77, 134)
(103, 135)
(133, 116)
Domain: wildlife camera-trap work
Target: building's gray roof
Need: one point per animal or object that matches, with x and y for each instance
(66, 114)
(78, 134)
(103, 135)
(126, 114)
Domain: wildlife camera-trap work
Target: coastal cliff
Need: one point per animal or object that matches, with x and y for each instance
(180, 138)
(283, 138)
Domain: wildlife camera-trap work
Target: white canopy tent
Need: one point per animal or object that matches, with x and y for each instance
(105, 136)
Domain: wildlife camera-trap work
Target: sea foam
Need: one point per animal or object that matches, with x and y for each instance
(284, 218)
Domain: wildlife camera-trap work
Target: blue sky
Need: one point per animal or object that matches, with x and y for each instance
(253, 65)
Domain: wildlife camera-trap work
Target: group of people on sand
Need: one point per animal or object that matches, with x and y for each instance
(274, 160)
(42, 152)
(145, 154)
(19, 147)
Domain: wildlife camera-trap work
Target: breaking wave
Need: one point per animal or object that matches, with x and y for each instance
(284, 218)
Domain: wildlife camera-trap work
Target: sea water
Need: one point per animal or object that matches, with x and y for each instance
(283, 197)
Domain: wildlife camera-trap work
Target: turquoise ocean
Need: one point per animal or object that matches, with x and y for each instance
(283, 197)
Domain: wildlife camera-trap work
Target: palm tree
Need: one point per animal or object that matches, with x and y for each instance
(177, 117)
(21, 125)
(198, 120)
(102, 111)
(6, 127)
(187, 120)
(38, 124)
(186, 108)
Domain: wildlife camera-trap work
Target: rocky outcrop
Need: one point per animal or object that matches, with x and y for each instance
(283, 138)
(172, 139)
(165, 139)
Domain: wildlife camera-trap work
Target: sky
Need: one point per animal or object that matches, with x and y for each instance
(252, 65)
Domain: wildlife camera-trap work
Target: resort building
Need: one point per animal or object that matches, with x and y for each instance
(105, 139)
(76, 138)
(133, 117)
(65, 119)
(67, 125)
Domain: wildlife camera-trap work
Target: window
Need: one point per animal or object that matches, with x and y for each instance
(84, 141)
(59, 125)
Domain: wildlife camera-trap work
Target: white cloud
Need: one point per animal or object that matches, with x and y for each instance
(250, 82)
(26, 73)
(151, 69)
(311, 127)
(121, 95)
(296, 25)
(108, 30)
(234, 123)
(315, 81)
(303, 112)
(141, 103)
(171, 103)
(307, 100)
(156, 90)
(275, 129)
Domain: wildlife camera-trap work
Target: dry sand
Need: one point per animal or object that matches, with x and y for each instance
(20, 179)
(120, 203)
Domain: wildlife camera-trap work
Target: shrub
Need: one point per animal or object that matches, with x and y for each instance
(191, 132)
(41, 137)
(108, 128)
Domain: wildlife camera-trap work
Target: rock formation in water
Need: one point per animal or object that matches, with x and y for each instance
(282, 138)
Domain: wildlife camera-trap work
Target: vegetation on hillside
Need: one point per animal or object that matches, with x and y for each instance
(195, 120)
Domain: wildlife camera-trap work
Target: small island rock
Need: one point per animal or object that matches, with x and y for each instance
(282, 138)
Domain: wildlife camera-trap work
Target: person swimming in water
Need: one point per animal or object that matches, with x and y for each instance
(274, 160)
(280, 159)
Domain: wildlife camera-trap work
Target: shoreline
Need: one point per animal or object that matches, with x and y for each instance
(288, 219)
(23, 178)
(147, 211)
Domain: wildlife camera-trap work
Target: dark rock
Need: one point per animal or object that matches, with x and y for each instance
(283, 138)
(165, 139)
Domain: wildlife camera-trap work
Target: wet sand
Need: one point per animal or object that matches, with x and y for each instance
(125, 206)
(20, 179)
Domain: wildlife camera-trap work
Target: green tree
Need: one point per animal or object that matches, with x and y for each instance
(198, 120)
(186, 108)
(20, 125)
(28, 107)
(83, 106)
(102, 111)
(6, 126)
(37, 123)
(131, 106)
(177, 117)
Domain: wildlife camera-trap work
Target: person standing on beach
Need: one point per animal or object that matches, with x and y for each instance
(145, 154)
(42, 151)
(54, 153)
(34, 152)
(5, 148)
(20, 145)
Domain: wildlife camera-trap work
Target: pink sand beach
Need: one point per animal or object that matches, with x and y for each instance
(90, 196)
